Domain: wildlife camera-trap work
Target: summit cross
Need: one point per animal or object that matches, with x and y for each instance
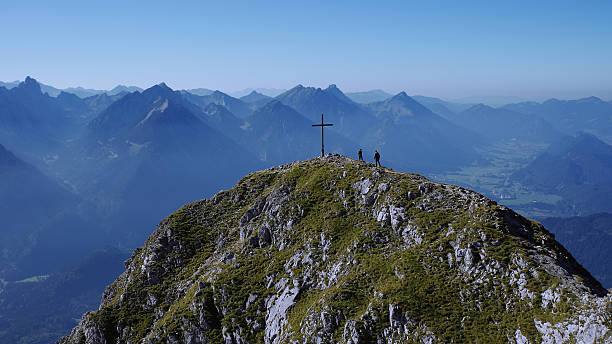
(322, 125)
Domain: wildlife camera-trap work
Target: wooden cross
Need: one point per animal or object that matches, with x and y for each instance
(322, 125)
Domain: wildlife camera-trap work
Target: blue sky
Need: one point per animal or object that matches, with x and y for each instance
(531, 49)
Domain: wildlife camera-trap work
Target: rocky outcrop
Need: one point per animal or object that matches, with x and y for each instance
(337, 251)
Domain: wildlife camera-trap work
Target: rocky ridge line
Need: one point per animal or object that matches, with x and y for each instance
(336, 251)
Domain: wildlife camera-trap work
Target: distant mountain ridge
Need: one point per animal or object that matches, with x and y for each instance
(578, 168)
(441, 107)
(78, 91)
(256, 100)
(200, 91)
(589, 114)
(409, 129)
(270, 92)
(31, 122)
(137, 146)
(234, 105)
(366, 97)
(489, 100)
(279, 134)
(502, 123)
(348, 117)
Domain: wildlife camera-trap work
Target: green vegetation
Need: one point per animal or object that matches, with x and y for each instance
(217, 265)
(492, 178)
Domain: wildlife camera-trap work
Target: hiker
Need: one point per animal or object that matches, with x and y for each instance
(360, 155)
(377, 158)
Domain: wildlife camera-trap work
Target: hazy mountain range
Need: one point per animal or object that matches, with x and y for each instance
(587, 114)
(78, 91)
(493, 123)
(85, 172)
(578, 168)
(368, 96)
(270, 92)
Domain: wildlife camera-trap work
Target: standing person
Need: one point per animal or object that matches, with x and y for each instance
(377, 158)
(360, 155)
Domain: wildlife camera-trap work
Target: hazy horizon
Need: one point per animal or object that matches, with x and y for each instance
(475, 98)
(447, 50)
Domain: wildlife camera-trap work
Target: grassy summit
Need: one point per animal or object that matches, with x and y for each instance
(336, 251)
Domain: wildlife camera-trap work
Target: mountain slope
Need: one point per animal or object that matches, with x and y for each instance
(349, 118)
(366, 97)
(256, 100)
(410, 136)
(504, 124)
(33, 123)
(122, 88)
(40, 221)
(200, 91)
(220, 118)
(82, 92)
(98, 103)
(441, 107)
(151, 143)
(437, 106)
(255, 97)
(590, 114)
(234, 105)
(278, 134)
(589, 238)
(577, 168)
(333, 250)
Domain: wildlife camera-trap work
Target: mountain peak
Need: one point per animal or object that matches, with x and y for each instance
(255, 97)
(405, 99)
(218, 93)
(122, 88)
(591, 99)
(480, 107)
(295, 90)
(274, 105)
(30, 85)
(401, 95)
(161, 90)
(336, 92)
(412, 254)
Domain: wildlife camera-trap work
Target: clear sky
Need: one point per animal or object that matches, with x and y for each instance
(448, 49)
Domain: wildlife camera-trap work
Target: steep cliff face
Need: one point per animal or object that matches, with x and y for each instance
(335, 251)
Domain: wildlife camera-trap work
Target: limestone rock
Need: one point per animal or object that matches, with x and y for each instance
(331, 250)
